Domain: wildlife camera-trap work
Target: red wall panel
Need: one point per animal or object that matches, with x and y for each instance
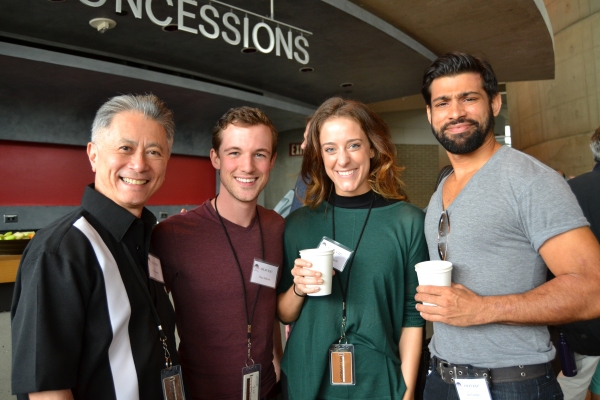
(37, 174)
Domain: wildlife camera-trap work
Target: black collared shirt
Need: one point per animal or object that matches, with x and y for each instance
(80, 317)
(586, 188)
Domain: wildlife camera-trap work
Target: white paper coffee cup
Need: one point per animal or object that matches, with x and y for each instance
(322, 261)
(434, 273)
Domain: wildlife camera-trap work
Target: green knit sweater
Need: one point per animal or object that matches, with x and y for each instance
(380, 300)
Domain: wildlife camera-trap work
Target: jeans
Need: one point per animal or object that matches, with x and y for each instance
(542, 388)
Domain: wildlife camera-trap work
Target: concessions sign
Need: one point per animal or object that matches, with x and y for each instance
(218, 20)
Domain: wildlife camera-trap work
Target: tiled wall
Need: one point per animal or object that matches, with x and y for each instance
(553, 120)
(422, 166)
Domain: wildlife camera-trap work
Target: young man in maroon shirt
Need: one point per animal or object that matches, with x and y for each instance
(212, 255)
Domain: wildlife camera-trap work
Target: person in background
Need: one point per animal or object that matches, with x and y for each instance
(502, 218)
(87, 311)
(354, 196)
(595, 385)
(583, 337)
(300, 187)
(226, 321)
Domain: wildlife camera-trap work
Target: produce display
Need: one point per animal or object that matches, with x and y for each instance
(16, 235)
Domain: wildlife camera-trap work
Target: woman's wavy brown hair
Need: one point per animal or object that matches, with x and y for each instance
(384, 174)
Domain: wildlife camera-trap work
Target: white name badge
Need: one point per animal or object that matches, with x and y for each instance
(341, 253)
(264, 273)
(472, 389)
(155, 269)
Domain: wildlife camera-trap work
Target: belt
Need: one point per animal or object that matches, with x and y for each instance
(493, 375)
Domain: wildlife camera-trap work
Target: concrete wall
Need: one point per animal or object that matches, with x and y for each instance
(421, 163)
(552, 120)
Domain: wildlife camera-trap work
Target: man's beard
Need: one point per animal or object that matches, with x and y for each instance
(466, 142)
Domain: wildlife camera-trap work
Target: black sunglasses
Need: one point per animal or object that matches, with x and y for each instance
(443, 234)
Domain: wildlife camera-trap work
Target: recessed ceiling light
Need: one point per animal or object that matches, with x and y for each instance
(248, 50)
(103, 24)
(170, 28)
(307, 69)
(347, 84)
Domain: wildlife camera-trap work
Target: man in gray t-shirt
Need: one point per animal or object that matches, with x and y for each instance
(502, 218)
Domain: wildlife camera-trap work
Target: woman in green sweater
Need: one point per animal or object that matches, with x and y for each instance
(354, 196)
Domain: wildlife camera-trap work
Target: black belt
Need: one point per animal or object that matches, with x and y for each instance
(448, 372)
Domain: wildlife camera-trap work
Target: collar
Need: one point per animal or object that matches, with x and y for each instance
(114, 218)
(362, 201)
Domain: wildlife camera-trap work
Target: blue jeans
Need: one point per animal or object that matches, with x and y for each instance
(542, 388)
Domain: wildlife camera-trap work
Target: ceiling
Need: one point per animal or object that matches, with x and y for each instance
(55, 69)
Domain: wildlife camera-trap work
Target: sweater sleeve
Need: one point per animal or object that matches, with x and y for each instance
(289, 255)
(417, 251)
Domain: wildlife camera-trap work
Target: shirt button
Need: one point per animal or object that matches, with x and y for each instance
(137, 247)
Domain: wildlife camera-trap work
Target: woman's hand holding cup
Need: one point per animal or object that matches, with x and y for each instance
(304, 275)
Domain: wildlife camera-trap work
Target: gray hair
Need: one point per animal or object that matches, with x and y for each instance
(148, 104)
(595, 145)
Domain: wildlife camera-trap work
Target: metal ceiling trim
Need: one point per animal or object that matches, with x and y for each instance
(260, 16)
(61, 47)
(376, 22)
(67, 60)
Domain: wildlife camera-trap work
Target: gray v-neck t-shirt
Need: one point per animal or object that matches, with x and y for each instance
(498, 222)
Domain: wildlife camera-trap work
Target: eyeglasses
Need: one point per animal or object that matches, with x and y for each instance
(443, 234)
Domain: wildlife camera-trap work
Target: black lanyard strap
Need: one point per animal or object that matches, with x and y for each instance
(146, 291)
(339, 279)
(249, 317)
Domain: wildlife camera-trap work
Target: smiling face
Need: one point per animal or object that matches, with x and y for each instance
(460, 114)
(244, 160)
(130, 159)
(346, 155)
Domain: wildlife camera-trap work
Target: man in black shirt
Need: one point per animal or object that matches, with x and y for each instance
(86, 308)
(584, 337)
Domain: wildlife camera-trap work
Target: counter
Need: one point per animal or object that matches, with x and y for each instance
(8, 267)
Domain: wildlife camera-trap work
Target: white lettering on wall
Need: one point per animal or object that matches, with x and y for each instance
(215, 13)
(238, 36)
(302, 49)
(97, 3)
(294, 47)
(255, 37)
(153, 18)
(280, 42)
(182, 13)
(246, 25)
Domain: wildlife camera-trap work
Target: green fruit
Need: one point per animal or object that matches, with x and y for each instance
(10, 237)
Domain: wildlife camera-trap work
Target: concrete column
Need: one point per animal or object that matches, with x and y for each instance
(553, 120)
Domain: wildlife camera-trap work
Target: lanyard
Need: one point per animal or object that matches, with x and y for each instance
(143, 283)
(339, 279)
(249, 317)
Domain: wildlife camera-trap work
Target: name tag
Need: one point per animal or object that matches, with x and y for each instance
(341, 364)
(341, 253)
(264, 273)
(155, 269)
(251, 382)
(472, 389)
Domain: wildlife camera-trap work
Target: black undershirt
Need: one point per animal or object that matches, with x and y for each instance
(361, 201)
